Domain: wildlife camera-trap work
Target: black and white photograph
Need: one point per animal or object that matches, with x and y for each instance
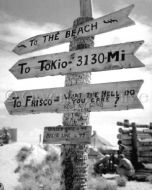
(75, 94)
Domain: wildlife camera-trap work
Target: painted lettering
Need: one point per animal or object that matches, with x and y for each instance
(80, 30)
(85, 28)
(94, 26)
(101, 58)
(33, 102)
(118, 55)
(67, 34)
(42, 62)
(23, 68)
(17, 103)
(28, 99)
(33, 42)
(52, 64)
(129, 92)
(51, 37)
(113, 55)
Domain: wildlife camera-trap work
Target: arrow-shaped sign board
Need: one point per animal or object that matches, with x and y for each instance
(100, 25)
(84, 98)
(67, 135)
(110, 57)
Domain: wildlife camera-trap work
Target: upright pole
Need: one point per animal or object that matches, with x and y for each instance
(74, 157)
(134, 145)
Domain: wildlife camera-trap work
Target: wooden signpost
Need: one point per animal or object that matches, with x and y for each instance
(110, 57)
(100, 25)
(78, 97)
(67, 135)
(96, 97)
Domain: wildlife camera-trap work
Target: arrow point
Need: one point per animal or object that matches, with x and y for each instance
(14, 50)
(130, 8)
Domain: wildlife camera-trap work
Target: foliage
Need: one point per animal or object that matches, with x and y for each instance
(23, 154)
(45, 175)
(121, 181)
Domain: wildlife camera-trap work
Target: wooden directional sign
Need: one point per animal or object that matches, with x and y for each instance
(67, 135)
(110, 57)
(84, 98)
(103, 24)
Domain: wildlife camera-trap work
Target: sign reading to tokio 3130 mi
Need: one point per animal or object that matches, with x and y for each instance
(117, 56)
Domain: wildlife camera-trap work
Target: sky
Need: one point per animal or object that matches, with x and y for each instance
(21, 19)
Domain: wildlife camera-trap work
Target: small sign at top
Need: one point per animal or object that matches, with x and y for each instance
(100, 25)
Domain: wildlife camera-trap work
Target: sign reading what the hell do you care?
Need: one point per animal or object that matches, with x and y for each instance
(95, 97)
(81, 98)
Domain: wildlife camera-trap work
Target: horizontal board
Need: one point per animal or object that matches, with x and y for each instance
(127, 142)
(125, 131)
(145, 154)
(100, 25)
(117, 56)
(124, 136)
(145, 159)
(67, 135)
(129, 131)
(84, 98)
(145, 148)
(144, 136)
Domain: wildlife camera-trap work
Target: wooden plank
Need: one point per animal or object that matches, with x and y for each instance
(127, 142)
(145, 140)
(124, 136)
(129, 131)
(144, 136)
(125, 131)
(100, 25)
(67, 135)
(85, 98)
(145, 159)
(145, 154)
(145, 148)
(117, 56)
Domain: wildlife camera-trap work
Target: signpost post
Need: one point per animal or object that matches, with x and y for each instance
(78, 98)
(75, 156)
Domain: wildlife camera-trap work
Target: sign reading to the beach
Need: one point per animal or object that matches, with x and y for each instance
(100, 25)
(67, 135)
(85, 98)
(110, 57)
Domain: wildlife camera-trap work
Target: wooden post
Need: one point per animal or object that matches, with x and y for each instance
(134, 146)
(74, 157)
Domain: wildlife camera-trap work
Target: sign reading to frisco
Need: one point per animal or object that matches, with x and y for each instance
(103, 24)
(86, 98)
(67, 135)
(110, 57)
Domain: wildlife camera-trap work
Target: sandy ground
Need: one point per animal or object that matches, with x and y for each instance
(131, 185)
